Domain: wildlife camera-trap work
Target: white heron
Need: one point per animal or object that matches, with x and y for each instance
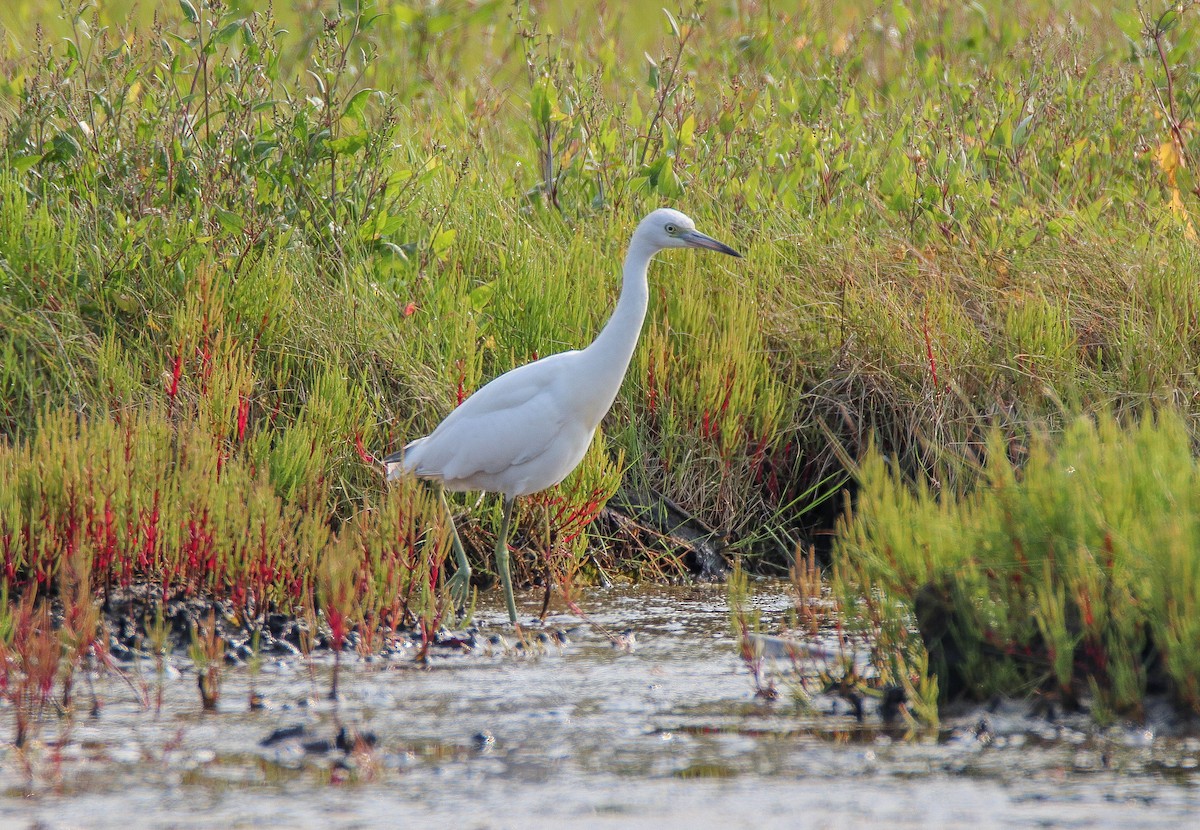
(529, 428)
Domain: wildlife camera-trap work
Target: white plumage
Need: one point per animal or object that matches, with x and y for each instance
(517, 435)
(530, 427)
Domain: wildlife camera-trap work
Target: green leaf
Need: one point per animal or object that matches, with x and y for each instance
(442, 242)
(387, 225)
(1060, 225)
(1022, 131)
(899, 203)
(440, 23)
(674, 24)
(228, 32)
(654, 169)
(189, 11)
(230, 221)
(64, 147)
(356, 107)
(392, 249)
(405, 15)
(480, 296)
(22, 163)
(687, 131)
(349, 144)
(366, 23)
(1129, 23)
(320, 82)
(543, 102)
(669, 184)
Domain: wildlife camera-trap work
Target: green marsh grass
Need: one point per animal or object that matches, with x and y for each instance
(1070, 572)
(265, 250)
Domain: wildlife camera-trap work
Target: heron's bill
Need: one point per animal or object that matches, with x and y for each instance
(700, 240)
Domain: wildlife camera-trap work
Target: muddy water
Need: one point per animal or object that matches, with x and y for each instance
(666, 734)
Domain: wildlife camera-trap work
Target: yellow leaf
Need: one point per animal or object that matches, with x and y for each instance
(1180, 210)
(1167, 157)
(1176, 204)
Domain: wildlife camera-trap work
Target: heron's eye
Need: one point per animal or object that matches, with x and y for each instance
(671, 229)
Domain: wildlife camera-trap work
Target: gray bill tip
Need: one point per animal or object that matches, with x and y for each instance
(701, 240)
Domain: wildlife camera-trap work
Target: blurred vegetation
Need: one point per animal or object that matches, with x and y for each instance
(298, 237)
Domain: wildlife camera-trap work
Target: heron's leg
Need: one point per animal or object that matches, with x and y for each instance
(502, 559)
(460, 583)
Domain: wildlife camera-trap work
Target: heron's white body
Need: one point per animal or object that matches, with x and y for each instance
(530, 427)
(521, 433)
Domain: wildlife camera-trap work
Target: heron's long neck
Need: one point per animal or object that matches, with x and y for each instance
(610, 352)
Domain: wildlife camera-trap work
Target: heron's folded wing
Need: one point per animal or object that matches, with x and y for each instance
(506, 422)
(503, 438)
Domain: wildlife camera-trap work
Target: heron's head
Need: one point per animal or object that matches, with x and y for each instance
(667, 228)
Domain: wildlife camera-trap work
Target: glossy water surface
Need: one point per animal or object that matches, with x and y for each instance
(666, 734)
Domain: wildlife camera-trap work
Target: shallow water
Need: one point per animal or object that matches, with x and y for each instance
(667, 734)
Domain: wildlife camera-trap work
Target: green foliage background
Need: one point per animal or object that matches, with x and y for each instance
(312, 230)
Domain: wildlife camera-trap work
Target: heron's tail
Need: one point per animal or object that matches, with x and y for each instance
(394, 463)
